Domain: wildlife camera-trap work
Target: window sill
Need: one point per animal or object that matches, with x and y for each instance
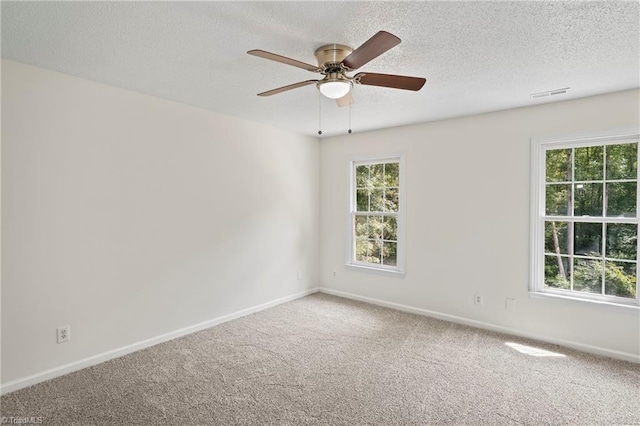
(372, 270)
(631, 308)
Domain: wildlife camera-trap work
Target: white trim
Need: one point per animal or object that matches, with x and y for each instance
(402, 215)
(375, 270)
(569, 299)
(115, 353)
(535, 211)
(626, 356)
(628, 134)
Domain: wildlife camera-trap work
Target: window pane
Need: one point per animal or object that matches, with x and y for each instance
(558, 165)
(589, 163)
(587, 275)
(391, 199)
(391, 174)
(377, 200)
(556, 272)
(374, 251)
(591, 182)
(588, 199)
(375, 227)
(376, 192)
(622, 161)
(558, 199)
(361, 226)
(588, 239)
(362, 176)
(620, 279)
(362, 200)
(389, 253)
(556, 237)
(621, 199)
(390, 229)
(622, 240)
(361, 249)
(377, 175)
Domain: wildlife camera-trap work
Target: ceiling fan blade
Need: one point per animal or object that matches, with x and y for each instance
(289, 87)
(370, 49)
(345, 101)
(390, 80)
(283, 59)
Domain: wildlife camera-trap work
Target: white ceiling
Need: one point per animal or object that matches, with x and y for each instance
(476, 56)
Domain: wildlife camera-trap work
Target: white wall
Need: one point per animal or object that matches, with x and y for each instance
(468, 204)
(127, 216)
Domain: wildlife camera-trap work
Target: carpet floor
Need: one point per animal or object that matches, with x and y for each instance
(327, 360)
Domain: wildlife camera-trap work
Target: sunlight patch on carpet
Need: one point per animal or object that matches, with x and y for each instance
(530, 350)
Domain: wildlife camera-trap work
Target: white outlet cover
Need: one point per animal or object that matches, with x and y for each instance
(63, 334)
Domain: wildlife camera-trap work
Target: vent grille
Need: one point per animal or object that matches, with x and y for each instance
(547, 93)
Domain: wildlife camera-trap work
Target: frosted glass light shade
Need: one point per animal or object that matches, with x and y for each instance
(334, 89)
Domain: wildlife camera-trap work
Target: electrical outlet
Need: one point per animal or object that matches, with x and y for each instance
(334, 274)
(64, 333)
(299, 276)
(478, 299)
(510, 304)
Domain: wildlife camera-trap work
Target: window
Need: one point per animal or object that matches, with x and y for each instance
(375, 220)
(585, 222)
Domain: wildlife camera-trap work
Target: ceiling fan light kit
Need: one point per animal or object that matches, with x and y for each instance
(334, 89)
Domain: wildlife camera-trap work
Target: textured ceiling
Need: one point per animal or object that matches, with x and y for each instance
(476, 56)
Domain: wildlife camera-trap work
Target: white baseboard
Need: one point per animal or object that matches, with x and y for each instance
(115, 353)
(487, 326)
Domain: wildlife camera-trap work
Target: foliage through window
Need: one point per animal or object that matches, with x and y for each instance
(375, 214)
(588, 219)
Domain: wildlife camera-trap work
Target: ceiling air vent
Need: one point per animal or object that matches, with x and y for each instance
(550, 93)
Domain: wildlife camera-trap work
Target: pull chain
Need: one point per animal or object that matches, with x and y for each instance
(350, 116)
(319, 113)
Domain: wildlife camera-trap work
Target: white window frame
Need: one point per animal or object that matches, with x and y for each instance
(351, 263)
(539, 146)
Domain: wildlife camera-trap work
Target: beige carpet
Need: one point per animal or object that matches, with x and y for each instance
(327, 360)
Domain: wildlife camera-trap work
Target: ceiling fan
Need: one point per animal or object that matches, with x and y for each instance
(336, 60)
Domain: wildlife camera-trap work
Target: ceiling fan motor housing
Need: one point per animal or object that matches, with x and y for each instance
(330, 56)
